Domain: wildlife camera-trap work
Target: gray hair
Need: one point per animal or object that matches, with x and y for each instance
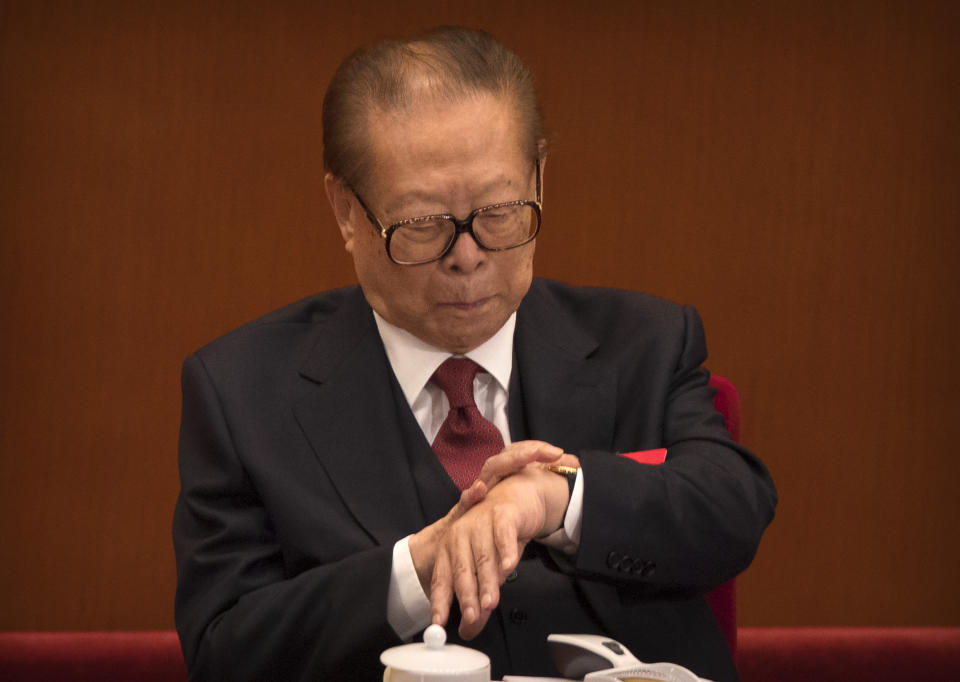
(446, 63)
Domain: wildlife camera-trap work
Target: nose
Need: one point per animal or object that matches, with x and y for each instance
(466, 255)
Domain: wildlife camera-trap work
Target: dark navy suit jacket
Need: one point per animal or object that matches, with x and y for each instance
(301, 465)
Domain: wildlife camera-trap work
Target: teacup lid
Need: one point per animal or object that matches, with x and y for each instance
(433, 655)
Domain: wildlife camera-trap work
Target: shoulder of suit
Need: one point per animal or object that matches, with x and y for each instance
(295, 319)
(611, 318)
(587, 301)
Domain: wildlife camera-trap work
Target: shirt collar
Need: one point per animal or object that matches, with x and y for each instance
(414, 361)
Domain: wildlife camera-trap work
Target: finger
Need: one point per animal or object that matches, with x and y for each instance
(507, 542)
(487, 565)
(488, 576)
(471, 496)
(511, 459)
(470, 630)
(545, 452)
(527, 451)
(515, 457)
(464, 577)
(441, 589)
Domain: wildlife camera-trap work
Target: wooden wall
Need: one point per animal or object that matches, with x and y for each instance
(792, 168)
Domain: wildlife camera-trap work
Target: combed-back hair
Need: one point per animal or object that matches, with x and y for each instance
(446, 63)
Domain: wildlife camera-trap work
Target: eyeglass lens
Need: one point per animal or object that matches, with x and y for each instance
(494, 227)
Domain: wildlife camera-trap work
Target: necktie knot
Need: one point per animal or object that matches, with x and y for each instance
(455, 377)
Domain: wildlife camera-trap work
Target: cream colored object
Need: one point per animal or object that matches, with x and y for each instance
(645, 672)
(433, 660)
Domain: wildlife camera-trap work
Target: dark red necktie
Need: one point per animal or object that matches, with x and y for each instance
(465, 439)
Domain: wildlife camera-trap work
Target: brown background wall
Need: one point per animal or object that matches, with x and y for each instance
(790, 168)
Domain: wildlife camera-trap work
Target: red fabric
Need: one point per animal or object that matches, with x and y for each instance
(145, 656)
(656, 456)
(727, 403)
(465, 439)
(849, 654)
(722, 600)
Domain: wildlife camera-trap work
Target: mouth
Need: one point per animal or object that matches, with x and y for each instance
(465, 306)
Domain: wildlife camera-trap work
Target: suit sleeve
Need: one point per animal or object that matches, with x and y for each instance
(691, 523)
(241, 613)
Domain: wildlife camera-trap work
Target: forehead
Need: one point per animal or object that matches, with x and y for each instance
(446, 149)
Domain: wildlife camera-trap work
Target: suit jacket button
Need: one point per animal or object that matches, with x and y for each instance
(518, 616)
(648, 569)
(613, 560)
(513, 575)
(627, 564)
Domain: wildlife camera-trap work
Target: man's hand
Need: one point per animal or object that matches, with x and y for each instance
(469, 552)
(516, 456)
(422, 545)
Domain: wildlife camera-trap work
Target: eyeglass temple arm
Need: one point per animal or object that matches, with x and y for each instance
(370, 216)
(539, 201)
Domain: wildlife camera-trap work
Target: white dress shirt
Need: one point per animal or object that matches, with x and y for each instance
(413, 362)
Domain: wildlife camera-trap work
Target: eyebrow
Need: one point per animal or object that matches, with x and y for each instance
(415, 195)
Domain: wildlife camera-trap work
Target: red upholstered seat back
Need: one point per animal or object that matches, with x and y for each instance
(849, 654)
(723, 600)
(142, 656)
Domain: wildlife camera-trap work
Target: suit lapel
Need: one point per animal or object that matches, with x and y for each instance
(348, 414)
(568, 397)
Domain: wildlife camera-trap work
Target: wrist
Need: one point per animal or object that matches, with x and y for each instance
(559, 482)
(423, 551)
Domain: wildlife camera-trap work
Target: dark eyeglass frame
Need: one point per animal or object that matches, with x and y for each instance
(462, 226)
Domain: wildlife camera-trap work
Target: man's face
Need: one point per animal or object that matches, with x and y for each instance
(442, 158)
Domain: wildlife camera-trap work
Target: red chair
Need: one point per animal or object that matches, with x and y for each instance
(136, 656)
(723, 600)
(849, 654)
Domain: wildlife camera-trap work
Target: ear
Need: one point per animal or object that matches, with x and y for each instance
(341, 201)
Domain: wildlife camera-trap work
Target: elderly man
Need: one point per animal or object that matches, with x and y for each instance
(442, 443)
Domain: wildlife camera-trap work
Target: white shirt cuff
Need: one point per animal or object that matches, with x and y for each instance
(567, 537)
(408, 607)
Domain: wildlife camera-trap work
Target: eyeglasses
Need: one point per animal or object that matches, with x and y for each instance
(498, 227)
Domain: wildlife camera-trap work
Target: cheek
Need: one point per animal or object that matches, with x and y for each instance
(373, 270)
(406, 290)
(372, 259)
(521, 271)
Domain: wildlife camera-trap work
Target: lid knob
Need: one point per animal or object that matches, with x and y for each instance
(435, 637)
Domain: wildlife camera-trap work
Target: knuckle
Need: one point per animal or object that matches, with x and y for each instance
(483, 559)
(461, 567)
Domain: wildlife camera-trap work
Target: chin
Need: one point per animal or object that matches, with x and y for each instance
(468, 340)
